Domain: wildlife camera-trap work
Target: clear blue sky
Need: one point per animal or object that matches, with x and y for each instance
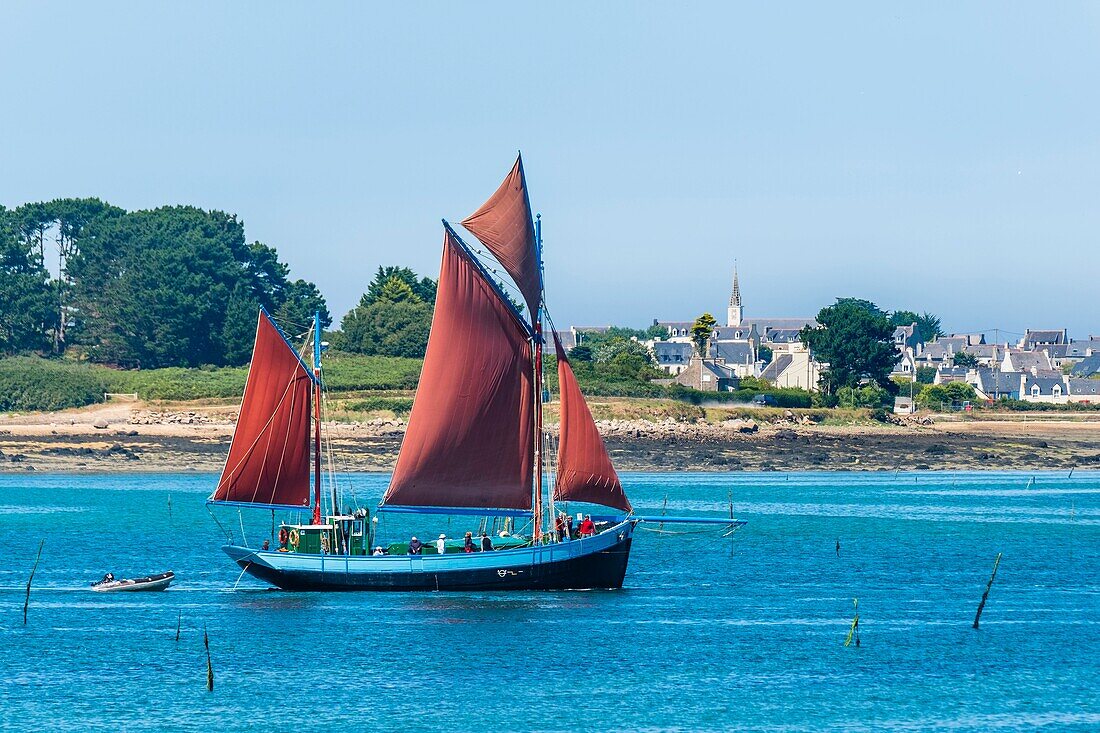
(942, 158)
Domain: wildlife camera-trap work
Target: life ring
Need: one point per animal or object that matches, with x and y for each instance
(324, 543)
(284, 536)
(294, 538)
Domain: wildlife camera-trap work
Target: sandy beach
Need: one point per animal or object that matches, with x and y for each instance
(141, 438)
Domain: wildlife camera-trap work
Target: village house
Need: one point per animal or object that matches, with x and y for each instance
(1086, 391)
(1087, 367)
(992, 384)
(706, 375)
(1018, 360)
(1048, 388)
(736, 346)
(1033, 340)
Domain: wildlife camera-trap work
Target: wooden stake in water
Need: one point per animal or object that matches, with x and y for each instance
(169, 509)
(27, 600)
(209, 665)
(854, 630)
(179, 619)
(988, 585)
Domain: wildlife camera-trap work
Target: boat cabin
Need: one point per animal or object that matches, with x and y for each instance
(344, 534)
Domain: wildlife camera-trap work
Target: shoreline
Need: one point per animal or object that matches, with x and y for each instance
(132, 439)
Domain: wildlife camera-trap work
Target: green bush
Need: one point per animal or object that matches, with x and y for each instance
(346, 372)
(31, 383)
(397, 405)
(870, 395)
(177, 383)
(784, 397)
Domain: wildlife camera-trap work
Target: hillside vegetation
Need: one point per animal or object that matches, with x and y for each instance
(29, 383)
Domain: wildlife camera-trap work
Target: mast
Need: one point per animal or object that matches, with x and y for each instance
(537, 358)
(317, 420)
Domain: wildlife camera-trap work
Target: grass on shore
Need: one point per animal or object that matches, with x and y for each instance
(29, 383)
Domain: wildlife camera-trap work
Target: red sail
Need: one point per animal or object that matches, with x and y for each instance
(269, 457)
(585, 472)
(503, 224)
(470, 439)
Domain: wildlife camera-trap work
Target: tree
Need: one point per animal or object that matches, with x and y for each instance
(580, 352)
(68, 219)
(926, 374)
(422, 287)
(387, 328)
(928, 325)
(239, 329)
(301, 300)
(701, 332)
(156, 288)
(26, 302)
(963, 359)
(855, 338)
(391, 318)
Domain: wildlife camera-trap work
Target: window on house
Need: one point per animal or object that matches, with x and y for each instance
(1035, 390)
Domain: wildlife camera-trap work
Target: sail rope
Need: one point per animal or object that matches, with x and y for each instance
(261, 434)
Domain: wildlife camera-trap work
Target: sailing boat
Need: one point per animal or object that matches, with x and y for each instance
(474, 446)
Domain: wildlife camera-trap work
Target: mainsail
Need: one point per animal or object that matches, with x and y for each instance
(469, 441)
(585, 472)
(269, 457)
(503, 224)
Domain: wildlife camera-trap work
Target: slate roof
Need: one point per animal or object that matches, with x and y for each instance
(1087, 367)
(1043, 337)
(734, 333)
(994, 381)
(952, 374)
(733, 352)
(1084, 387)
(1045, 383)
(672, 352)
(568, 341)
(777, 366)
(935, 351)
(985, 351)
(1027, 360)
(763, 324)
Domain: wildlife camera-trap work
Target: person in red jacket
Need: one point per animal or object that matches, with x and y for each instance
(587, 528)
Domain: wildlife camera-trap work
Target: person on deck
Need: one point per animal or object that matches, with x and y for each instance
(468, 542)
(587, 528)
(441, 545)
(378, 551)
(569, 526)
(416, 547)
(486, 543)
(559, 529)
(267, 545)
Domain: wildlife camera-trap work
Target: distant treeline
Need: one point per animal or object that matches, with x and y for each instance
(173, 286)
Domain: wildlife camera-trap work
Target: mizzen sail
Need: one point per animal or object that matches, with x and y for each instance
(269, 457)
(469, 441)
(503, 224)
(585, 472)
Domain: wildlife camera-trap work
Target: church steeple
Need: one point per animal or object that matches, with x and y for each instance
(734, 313)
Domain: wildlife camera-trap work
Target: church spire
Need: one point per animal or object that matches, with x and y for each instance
(734, 313)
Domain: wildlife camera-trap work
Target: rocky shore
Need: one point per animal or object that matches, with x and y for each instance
(125, 439)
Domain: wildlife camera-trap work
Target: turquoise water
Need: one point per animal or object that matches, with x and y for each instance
(709, 634)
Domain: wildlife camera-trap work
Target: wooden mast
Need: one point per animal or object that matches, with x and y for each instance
(537, 352)
(317, 418)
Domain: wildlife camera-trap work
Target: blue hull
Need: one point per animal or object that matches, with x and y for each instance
(593, 562)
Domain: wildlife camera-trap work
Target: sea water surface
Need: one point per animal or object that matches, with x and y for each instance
(710, 633)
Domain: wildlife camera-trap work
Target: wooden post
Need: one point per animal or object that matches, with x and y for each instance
(985, 595)
(854, 630)
(209, 666)
(179, 619)
(27, 600)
